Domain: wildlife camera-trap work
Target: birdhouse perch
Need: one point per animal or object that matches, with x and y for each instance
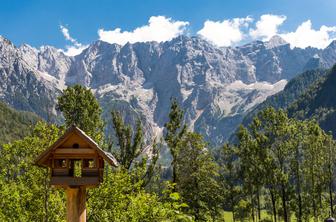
(76, 162)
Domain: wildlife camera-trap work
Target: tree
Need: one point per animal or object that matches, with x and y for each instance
(249, 168)
(314, 167)
(273, 133)
(81, 108)
(329, 169)
(131, 146)
(228, 178)
(25, 191)
(293, 160)
(119, 199)
(197, 176)
(128, 150)
(175, 130)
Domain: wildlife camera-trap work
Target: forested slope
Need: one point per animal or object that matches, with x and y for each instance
(14, 124)
(318, 102)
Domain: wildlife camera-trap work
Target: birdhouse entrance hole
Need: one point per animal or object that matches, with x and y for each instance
(75, 145)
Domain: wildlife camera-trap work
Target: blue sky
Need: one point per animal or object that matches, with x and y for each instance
(37, 22)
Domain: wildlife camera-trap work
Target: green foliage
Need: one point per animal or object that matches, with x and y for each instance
(174, 133)
(27, 196)
(129, 152)
(229, 187)
(318, 103)
(197, 176)
(280, 169)
(25, 192)
(295, 88)
(119, 199)
(81, 108)
(285, 166)
(14, 124)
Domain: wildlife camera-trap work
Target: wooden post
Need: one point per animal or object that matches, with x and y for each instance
(76, 209)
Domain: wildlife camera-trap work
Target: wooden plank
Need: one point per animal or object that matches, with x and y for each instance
(74, 181)
(75, 151)
(60, 172)
(74, 156)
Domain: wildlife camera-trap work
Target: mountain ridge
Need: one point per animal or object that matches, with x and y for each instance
(216, 86)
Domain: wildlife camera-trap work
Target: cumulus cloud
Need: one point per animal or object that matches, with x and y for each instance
(226, 32)
(159, 28)
(267, 26)
(229, 32)
(305, 36)
(75, 48)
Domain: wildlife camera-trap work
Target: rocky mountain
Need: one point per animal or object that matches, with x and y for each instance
(22, 85)
(295, 88)
(216, 86)
(310, 95)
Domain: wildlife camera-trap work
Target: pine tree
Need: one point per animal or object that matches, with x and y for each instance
(130, 143)
(130, 149)
(175, 131)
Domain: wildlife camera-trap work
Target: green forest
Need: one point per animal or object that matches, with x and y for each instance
(15, 124)
(280, 167)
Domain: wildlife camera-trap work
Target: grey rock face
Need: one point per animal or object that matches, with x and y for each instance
(216, 86)
(20, 82)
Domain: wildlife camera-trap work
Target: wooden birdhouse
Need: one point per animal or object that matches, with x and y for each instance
(75, 162)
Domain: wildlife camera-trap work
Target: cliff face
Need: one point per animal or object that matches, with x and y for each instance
(216, 86)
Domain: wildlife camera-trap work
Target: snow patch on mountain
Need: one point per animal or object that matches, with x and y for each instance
(239, 85)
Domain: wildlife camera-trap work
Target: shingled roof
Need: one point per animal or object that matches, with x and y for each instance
(41, 159)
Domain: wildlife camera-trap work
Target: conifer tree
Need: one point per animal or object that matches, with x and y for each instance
(131, 146)
(130, 142)
(175, 131)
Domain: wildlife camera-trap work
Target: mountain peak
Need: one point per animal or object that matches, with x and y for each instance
(48, 48)
(27, 47)
(275, 41)
(332, 44)
(4, 40)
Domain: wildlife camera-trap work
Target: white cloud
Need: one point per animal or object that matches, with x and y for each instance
(305, 36)
(228, 32)
(302, 37)
(267, 26)
(75, 48)
(225, 33)
(159, 29)
(67, 36)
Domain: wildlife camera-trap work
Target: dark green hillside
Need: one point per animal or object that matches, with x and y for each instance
(319, 102)
(292, 91)
(14, 124)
